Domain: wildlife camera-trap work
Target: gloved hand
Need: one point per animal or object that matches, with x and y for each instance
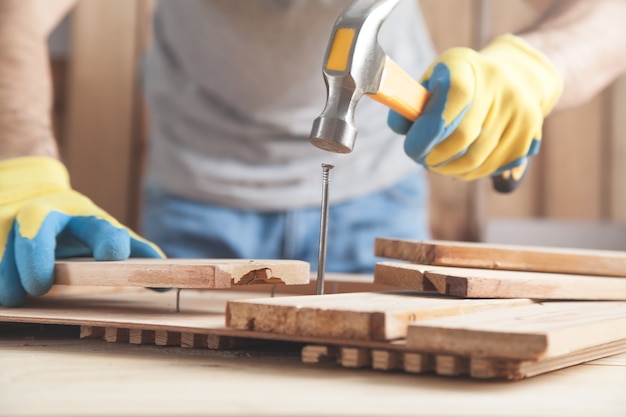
(42, 218)
(486, 109)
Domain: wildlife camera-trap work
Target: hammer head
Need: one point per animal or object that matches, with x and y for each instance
(353, 67)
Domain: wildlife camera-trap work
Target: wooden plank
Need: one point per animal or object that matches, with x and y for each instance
(451, 202)
(355, 357)
(387, 360)
(134, 308)
(512, 16)
(358, 316)
(532, 332)
(141, 337)
(166, 338)
(451, 365)
(489, 283)
(577, 138)
(509, 257)
(506, 369)
(193, 340)
(618, 152)
(417, 363)
(116, 334)
(319, 354)
(100, 143)
(181, 273)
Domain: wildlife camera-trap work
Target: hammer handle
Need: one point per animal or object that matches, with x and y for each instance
(400, 92)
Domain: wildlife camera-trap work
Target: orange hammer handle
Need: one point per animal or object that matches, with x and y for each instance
(400, 92)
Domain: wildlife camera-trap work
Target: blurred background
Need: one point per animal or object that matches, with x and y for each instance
(573, 196)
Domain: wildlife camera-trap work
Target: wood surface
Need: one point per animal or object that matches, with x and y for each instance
(71, 376)
(504, 257)
(531, 332)
(181, 273)
(358, 316)
(489, 283)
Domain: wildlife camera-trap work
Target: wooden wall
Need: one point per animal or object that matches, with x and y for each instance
(103, 136)
(577, 175)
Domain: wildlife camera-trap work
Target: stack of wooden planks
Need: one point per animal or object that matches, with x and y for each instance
(473, 309)
(458, 308)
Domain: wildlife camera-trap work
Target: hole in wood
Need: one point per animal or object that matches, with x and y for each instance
(258, 276)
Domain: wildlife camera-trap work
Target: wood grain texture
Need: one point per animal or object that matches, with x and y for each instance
(514, 370)
(451, 203)
(181, 273)
(489, 283)
(532, 332)
(102, 103)
(504, 257)
(358, 316)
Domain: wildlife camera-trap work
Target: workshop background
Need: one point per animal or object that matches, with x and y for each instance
(573, 196)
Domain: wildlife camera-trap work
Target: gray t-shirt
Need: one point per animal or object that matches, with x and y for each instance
(233, 87)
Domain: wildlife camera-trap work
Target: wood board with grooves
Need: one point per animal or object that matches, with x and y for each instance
(505, 257)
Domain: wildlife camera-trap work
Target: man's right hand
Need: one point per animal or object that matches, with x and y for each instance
(42, 218)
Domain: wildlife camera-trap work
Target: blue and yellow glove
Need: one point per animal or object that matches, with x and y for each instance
(42, 218)
(486, 109)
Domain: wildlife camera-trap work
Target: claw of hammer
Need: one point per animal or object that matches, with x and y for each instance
(355, 65)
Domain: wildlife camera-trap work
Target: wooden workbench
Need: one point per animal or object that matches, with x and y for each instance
(48, 371)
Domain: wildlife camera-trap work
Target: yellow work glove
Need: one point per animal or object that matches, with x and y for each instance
(486, 109)
(42, 218)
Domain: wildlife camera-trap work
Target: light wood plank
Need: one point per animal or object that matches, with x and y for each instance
(99, 147)
(451, 365)
(116, 334)
(193, 340)
(166, 338)
(509, 257)
(355, 357)
(618, 151)
(488, 283)
(577, 138)
(319, 354)
(181, 273)
(386, 360)
(417, 363)
(359, 316)
(532, 332)
(141, 337)
(494, 368)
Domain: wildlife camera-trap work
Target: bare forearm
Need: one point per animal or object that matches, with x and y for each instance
(586, 41)
(25, 84)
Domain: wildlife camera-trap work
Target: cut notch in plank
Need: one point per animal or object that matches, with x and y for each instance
(504, 257)
(489, 283)
(181, 273)
(357, 316)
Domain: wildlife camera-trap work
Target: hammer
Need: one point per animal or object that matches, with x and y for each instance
(355, 65)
